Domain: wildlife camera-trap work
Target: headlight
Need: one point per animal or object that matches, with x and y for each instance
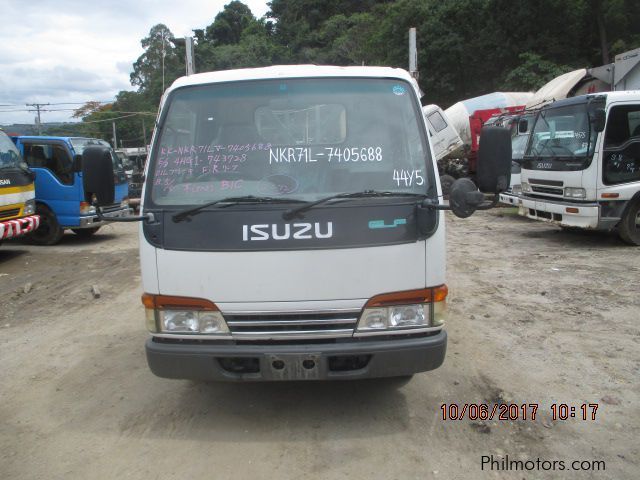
(29, 207)
(191, 321)
(168, 314)
(409, 315)
(87, 209)
(526, 188)
(395, 312)
(571, 192)
(516, 189)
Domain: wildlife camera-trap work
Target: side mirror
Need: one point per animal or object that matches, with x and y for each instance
(494, 160)
(77, 163)
(523, 125)
(598, 119)
(97, 174)
(464, 198)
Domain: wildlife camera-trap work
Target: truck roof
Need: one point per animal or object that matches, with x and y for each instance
(53, 137)
(615, 96)
(293, 71)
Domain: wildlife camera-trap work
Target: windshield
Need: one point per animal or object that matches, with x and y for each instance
(562, 133)
(9, 154)
(303, 139)
(79, 144)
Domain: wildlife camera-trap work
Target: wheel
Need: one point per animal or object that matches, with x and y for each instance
(49, 231)
(445, 182)
(85, 232)
(629, 226)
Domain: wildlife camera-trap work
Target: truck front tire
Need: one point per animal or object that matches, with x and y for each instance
(629, 226)
(49, 231)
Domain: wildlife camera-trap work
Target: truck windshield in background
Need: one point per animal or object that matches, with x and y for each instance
(10, 156)
(562, 139)
(302, 139)
(79, 144)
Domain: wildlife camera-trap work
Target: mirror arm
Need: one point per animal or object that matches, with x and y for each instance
(428, 203)
(149, 217)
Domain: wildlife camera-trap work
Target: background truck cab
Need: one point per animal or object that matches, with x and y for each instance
(17, 204)
(61, 200)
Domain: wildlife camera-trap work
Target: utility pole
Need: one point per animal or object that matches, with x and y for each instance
(413, 54)
(164, 54)
(190, 62)
(37, 109)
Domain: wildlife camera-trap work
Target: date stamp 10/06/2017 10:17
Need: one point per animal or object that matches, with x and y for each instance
(516, 411)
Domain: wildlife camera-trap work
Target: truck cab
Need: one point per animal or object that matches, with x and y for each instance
(581, 168)
(61, 200)
(17, 204)
(292, 228)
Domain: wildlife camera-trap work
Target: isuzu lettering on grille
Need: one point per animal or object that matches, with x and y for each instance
(296, 231)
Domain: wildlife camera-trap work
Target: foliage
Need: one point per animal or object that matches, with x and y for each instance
(466, 47)
(532, 73)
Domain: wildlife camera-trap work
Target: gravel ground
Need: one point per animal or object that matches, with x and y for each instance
(536, 316)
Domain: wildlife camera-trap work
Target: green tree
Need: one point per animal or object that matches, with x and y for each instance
(160, 64)
(229, 24)
(532, 73)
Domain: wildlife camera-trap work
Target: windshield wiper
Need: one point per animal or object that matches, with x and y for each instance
(295, 212)
(184, 214)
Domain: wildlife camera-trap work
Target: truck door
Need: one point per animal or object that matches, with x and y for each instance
(56, 184)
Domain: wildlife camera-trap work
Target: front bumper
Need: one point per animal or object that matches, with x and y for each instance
(509, 198)
(588, 214)
(332, 361)
(91, 221)
(18, 227)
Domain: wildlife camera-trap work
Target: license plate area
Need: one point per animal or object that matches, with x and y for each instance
(294, 366)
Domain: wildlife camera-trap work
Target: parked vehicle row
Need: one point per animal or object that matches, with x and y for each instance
(42, 192)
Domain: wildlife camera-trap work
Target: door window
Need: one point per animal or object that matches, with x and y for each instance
(622, 145)
(53, 157)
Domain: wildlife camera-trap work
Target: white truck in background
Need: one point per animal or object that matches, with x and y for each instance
(444, 137)
(581, 168)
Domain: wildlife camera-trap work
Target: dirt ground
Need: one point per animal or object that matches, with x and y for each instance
(536, 316)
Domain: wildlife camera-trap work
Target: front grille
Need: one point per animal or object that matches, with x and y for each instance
(9, 213)
(550, 183)
(549, 190)
(292, 325)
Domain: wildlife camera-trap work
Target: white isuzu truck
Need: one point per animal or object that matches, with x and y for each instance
(291, 225)
(581, 167)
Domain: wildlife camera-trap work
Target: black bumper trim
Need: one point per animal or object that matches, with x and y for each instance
(389, 358)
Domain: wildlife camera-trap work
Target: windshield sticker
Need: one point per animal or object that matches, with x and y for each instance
(375, 224)
(399, 90)
(278, 184)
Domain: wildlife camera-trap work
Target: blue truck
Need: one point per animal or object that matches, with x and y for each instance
(61, 201)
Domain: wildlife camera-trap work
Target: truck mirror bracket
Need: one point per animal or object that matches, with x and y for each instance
(149, 217)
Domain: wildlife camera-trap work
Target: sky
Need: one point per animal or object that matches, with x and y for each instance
(68, 52)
